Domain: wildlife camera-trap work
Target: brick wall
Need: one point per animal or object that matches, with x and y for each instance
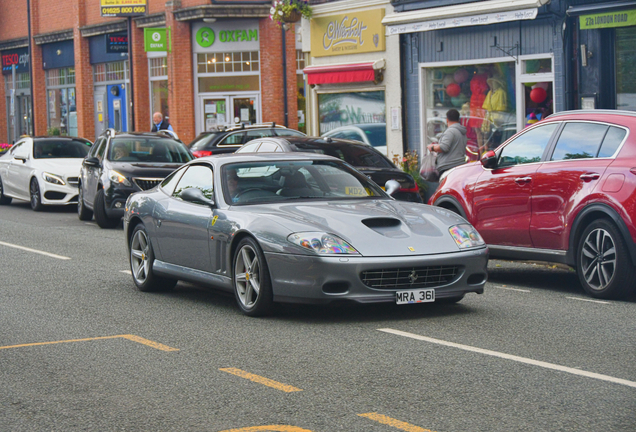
(38, 97)
(141, 93)
(53, 15)
(272, 95)
(83, 76)
(180, 78)
(13, 19)
(4, 130)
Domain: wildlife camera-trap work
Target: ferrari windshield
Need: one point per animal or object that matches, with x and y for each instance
(259, 182)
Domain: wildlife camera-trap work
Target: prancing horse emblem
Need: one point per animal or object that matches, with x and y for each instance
(413, 277)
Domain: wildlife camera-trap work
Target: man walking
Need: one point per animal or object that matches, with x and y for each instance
(158, 123)
(451, 147)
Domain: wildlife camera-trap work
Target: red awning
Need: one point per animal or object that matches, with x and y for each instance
(341, 73)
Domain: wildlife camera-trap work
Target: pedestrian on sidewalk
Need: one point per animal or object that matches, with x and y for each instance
(159, 123)
(451, 147)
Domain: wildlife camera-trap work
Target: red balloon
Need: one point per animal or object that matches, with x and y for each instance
(453, 90)
(538, 95)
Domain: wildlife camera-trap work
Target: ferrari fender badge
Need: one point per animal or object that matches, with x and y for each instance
(412, 249)
(214, 220)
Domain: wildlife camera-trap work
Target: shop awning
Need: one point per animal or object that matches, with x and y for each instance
(343, 72)
(462, 15)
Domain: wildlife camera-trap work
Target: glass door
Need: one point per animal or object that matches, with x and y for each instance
(245, 109)
(215, 113)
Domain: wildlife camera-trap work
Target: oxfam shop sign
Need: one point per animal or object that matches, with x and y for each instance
(226, 36)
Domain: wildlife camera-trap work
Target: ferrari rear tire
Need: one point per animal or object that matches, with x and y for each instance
(36, 196)
(603, 262)
(99, 207)
(142, 258)
(4, 200)
(83, 213)
(251, 280)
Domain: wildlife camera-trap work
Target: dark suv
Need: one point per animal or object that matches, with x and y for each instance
(121, 163)
(227, 140)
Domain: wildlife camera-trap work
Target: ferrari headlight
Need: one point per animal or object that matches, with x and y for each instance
(115, 177)
(52, 178)
(322, 243)
(466, 236)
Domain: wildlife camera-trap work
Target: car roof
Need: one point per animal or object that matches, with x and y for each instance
(226, 158)
(243, 127)
(316, 141)
(596, 112)
(56, 137)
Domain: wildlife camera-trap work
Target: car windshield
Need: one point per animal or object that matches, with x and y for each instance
(262, 182)
(202, 140)
(58, 149)
(138, 149)
(356, 155)
(376, 134)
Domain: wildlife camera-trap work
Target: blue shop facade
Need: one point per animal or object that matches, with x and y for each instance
(501, 64)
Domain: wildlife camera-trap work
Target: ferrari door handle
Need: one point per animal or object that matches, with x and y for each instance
(589, 177)
(523, 180)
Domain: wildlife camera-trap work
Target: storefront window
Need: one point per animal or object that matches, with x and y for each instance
(355, 108)
(484, 95)
(228, 62)
(625, 67)
(159, 85)
(300, 92)
(60, 93)
(115, 71)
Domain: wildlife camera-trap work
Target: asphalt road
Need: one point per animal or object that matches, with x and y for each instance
(82, 350)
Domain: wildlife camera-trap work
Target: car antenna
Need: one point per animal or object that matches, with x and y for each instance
(273, 124)
(329, 139)
(242, 125)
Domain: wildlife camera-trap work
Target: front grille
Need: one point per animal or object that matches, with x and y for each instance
(73, 181)
(51, 195)
(413, 277)
(147, 183)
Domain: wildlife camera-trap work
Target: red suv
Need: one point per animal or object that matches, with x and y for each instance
(563, 190)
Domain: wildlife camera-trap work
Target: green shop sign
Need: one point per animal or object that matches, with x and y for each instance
(155, 39)
(622, 18)
(206, 36)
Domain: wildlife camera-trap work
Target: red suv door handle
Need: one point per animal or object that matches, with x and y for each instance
(523, 180)
(589, 177)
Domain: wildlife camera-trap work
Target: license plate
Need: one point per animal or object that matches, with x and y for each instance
(415, 296)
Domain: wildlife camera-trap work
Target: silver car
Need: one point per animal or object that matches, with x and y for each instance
(297, 228)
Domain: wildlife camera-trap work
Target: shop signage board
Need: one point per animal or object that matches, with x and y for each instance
(116, 43)
(463, 21)
(155, 39)
(612, 19)
(18, 57)
(349, 33)
(123, 8)
(226, 36)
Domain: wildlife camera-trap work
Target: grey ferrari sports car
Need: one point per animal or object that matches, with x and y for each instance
(297, 228)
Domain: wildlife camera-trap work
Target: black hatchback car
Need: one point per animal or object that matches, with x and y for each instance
(227, 140)
(121, 163)
(363, 157)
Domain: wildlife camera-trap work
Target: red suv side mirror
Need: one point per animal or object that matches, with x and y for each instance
(489, 159)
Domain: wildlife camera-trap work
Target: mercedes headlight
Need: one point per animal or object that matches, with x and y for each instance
(115, 177)
(322, 243)
(466, 236)
(52, 178)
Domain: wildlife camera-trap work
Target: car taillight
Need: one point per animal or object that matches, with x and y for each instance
(413, 189)
(201, 153)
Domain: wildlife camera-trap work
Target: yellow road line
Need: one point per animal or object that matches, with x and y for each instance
(129, 337)
(270, 428)
(261, 380)
(393, 422)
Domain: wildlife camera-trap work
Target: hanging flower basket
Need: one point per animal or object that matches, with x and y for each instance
(289, 11)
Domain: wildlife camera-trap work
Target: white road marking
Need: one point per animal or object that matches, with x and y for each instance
(513, 358)
(588, 300)
(128, 272)
(35, 251)
(510, 289)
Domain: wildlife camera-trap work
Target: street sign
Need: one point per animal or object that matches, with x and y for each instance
(123, 8)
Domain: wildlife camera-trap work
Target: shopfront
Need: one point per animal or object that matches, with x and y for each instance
(109, 55)
(353, 76)
(58, 62)
(156, 45)
(15, 68)
(603, 47)
(502, 74)
(227, 68)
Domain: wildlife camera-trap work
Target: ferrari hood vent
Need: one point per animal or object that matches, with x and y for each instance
(381, 222)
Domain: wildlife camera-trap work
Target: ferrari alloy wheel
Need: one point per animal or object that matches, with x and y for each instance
(83, 213)
(603, 263)
(141, 260)
(36, 198)
(3, 198)
(252, 285)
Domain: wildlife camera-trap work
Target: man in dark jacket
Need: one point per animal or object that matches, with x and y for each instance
(158, 123)
(451, 147)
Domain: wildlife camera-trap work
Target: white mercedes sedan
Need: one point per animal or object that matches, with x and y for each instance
(42, 170)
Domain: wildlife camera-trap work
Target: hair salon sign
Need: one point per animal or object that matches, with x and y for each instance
(348, 33)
